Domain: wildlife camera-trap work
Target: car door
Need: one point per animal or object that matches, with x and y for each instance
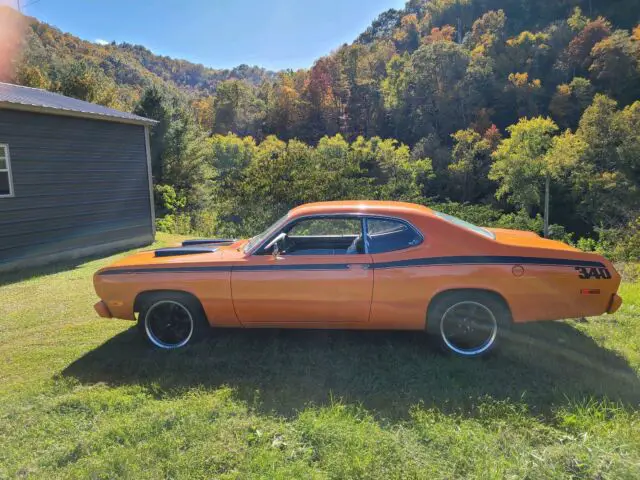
(320, 278)
(400, 292)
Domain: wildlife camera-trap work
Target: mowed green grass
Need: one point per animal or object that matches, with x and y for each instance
(83, 397)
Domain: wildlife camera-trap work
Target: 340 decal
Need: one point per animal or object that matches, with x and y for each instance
(587, 273)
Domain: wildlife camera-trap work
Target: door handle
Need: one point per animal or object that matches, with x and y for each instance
(362, 266)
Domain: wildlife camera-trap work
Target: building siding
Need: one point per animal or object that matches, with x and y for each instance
(77, 183)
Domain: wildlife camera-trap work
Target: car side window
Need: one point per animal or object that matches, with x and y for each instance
(390, 235)
(322, 236)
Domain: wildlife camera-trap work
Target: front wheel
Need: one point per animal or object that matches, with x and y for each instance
(172, 321)
(468, 323)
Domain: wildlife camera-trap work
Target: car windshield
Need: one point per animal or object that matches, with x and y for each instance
(267, 233)
(466, 225)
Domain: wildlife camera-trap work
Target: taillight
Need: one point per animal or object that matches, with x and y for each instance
(590, 291)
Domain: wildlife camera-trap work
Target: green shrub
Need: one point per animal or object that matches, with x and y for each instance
(617, 244)
(179, 224)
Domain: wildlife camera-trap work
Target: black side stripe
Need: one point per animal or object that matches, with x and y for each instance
(128, 271)
(416, 262)
(487, 260)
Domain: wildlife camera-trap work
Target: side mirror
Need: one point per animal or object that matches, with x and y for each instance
(274, 245)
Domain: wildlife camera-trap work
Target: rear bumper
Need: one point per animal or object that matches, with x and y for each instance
(614, 304)
(102, 310)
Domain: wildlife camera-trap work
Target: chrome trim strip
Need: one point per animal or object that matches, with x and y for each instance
(366, 216)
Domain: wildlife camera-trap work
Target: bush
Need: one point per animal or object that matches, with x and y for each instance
(179, 224)
(617, 244)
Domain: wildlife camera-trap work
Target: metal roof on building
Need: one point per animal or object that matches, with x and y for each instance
(16, 97)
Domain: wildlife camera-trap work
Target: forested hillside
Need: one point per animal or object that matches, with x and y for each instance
(474, 105)
(113, 74)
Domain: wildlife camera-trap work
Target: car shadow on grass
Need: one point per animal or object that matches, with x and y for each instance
(544, 366)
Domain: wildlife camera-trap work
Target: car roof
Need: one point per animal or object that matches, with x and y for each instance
(360, 206)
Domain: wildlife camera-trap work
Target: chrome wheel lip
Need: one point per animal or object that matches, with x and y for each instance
(155, 340)
(477, 351)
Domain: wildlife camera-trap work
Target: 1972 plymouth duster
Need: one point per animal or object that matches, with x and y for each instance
(360, 265)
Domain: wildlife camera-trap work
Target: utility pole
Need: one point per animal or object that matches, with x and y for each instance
(546, 205)
(19, 6)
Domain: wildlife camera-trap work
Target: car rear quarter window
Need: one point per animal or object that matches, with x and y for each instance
(466, 225)
(385, 235)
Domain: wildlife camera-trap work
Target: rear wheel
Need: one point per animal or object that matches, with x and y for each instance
(171, 320)
(468, 323)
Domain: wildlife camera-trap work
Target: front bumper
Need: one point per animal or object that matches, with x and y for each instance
(102, 310)
(615, 304)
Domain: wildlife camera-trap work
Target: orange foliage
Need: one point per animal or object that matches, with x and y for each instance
(445, 34)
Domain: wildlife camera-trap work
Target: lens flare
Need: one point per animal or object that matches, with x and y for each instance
(13, 28)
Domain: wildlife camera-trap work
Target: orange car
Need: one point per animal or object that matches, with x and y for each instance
(360, 265)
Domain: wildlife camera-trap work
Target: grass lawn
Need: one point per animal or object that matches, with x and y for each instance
(83, 397)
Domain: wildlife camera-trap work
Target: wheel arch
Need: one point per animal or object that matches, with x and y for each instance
(146, 295)
(461, 291)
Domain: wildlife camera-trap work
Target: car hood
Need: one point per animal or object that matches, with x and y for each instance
(180, 255)
(521, 238)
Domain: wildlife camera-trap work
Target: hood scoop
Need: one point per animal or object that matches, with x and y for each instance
(178, 251)
(215, 241)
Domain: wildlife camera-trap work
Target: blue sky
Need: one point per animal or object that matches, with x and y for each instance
(274, 34)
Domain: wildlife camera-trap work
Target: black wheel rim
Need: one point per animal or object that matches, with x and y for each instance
(168, 324)
(469, 328)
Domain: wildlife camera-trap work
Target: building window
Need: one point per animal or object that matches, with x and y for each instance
(6, 181)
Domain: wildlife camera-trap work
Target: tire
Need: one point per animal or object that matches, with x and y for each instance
(170, 321)
(468, 323)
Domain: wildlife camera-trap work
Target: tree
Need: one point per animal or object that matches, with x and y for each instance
(407, 36)
(605, 182)
(529, 157)
(627, 123)
(31, 76)
(436, 89)
(570, 101)
(524, 93)
(528, 53)
(487, 34)
(577, 21)
(183, 161)
(155, 105)
(85, 82)
(577, 56)
(237, 109)
(471, 162)
(204, 111)
(322, 93)
(615, 66)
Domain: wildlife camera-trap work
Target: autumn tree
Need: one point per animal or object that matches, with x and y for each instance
(436, 90)
(407, 35)
(570, 101)
(32, 76)
(576, 59)
(615, 66)
(487, 34)
(204, 111)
